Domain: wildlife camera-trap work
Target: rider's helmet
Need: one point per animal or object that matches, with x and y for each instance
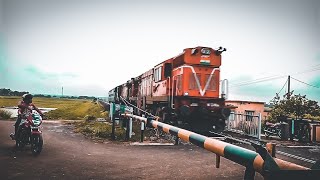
(27, 98)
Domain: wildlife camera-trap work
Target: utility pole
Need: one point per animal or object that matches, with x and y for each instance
(291, 125)
(62, 92)
(288, 95)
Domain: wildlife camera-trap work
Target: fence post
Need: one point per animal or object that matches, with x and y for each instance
(126, 119)
(130, 127)
(292, 130)
(259, 127)
(113, 137)
(228, 121)
(142, 130)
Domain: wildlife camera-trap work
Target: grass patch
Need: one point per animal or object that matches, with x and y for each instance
(9, 100)
(5, 114)
(98, 129)
(103, 130)
(73, 109)
(77, 110)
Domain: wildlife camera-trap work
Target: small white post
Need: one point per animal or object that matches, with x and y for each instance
(130, 127)
(259, 127)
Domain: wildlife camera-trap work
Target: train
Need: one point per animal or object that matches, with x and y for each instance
(183, 90)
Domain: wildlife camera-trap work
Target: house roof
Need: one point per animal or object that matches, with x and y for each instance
(242, 101)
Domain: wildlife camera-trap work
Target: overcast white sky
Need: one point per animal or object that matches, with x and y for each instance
(88, 47)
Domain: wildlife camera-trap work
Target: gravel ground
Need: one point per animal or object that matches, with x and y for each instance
(67, 155)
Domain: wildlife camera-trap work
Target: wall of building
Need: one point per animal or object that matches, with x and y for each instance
(243, 106)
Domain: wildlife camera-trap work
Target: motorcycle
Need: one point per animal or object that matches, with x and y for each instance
(29, 133)
(273, 129)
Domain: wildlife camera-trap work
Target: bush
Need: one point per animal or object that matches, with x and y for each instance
(89, 118)
(5, 114)
(98, 129)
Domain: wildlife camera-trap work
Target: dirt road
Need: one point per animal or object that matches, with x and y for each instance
(67, 155)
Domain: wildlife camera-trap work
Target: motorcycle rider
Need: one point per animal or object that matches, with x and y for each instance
(25, 106)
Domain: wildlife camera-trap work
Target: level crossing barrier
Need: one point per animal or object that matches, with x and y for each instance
(260, 161)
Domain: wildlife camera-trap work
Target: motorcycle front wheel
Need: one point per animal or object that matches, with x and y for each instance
(21, 138)
(36, 144)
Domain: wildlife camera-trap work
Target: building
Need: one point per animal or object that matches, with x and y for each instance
(248, 108)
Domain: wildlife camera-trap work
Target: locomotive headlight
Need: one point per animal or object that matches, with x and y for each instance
(186, 94)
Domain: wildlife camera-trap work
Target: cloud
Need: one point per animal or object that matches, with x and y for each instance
(35, 80)
(77, 44)
(42, 75)
(254, 92)
(312, 92)
(4, 65)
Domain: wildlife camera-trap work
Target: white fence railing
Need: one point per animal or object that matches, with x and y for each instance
(245, 124)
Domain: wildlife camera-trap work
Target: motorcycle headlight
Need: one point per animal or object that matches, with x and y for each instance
(36, 122)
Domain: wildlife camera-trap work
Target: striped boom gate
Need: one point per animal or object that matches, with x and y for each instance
(261, 162)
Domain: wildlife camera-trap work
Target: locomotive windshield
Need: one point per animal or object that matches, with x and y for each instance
(205, 51)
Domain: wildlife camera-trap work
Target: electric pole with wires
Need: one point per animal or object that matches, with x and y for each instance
(288, 95)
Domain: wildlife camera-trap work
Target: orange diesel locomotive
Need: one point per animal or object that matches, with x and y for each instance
(183, 90)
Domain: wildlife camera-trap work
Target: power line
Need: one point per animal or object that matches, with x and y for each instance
(248, 81)
(257, 81)
(279, 91)
(269, 78)
(315, 68)
(305, 83)
(283, 86)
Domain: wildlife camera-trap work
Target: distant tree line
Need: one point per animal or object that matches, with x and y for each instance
(78, 97)
(9, 92)
(42, 95)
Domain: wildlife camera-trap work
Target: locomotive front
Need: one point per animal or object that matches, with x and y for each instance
(195, 95)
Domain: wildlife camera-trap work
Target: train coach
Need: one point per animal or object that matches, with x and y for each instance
(183, 91)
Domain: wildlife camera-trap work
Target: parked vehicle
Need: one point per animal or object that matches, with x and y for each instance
(29, 133)
(273, 129)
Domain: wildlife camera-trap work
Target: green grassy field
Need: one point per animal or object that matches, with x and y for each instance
(67, 108)
(73, 109)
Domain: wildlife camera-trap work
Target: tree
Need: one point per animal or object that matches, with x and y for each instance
(8, 92)
(5, 92)
(296, 106)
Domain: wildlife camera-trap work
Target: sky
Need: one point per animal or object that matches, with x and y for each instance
(89, 47)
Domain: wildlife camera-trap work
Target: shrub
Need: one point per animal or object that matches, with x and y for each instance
(89, 118)
(5, 114)
(98, 129)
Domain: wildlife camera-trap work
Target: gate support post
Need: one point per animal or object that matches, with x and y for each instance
(249, 173)
(127, 128)
(217, 161)
(176, 142)
(271, 148)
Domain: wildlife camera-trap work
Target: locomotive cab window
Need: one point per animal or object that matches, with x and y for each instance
(205, 51)
(157, 74)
